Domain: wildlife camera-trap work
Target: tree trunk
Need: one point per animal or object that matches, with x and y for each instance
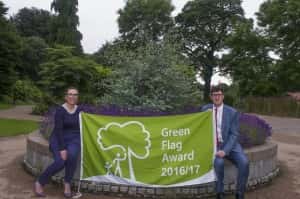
(207, 74)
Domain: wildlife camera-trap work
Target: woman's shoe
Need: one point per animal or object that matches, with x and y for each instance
(36, 193)
(68, 195)
(67, 190)
(39, 195)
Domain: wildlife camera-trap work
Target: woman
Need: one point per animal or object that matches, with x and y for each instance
(64, 144)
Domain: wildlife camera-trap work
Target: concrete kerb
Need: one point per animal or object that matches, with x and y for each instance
(263, 168)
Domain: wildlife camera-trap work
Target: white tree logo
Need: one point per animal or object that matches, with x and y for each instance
(109, 137)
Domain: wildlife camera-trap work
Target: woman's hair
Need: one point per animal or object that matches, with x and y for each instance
(70, 88)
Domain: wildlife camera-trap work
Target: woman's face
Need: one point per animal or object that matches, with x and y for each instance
(71, 96)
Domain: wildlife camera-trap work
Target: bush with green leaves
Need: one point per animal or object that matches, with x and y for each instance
(25, 91)
(62, 70)
(155, 77)
(43, 105)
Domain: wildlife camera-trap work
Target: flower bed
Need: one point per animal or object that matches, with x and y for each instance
(253, 130)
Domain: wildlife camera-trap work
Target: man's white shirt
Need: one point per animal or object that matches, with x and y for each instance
(219, 121)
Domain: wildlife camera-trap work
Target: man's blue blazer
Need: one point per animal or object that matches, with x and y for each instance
(230, 128)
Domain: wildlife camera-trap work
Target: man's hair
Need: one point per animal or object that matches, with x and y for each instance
(216, 88)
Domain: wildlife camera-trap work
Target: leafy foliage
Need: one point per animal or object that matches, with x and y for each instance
(248, 58)
(25, 91)
(280, 22)
(64, 27)
(10, 44)
(141, 21)
(156, 78)
(111, 54)
(204, 26)
(63, 69)
(33, 22)
(33, 53)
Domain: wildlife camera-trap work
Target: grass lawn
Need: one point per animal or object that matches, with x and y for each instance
(5, 106)
(12, 127)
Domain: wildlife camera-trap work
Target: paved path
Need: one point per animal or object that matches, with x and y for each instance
(17, 184)
(283, 125)
(20, 112)
(286, 133)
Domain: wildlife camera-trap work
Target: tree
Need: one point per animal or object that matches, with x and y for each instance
(10, 44)
(249, 58)
(64, 27)
(63, 69)
(280, 22)
(33, 53)
(155, 77)
(35, 22)
(204, 26)
(111, 53)
(141, 21)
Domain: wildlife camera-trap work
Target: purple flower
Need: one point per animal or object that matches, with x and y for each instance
(253, 130)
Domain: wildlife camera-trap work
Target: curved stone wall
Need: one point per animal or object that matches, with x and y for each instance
(263, 168)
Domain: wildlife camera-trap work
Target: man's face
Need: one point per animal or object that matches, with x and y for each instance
(217, 98)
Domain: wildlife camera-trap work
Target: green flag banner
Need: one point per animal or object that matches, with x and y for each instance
(162, 151)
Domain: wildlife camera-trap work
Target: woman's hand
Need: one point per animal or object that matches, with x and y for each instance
(63, 154)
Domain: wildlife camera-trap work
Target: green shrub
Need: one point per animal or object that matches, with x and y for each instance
(43, 105)
(155, 77)
(25, 91)
(40, 109)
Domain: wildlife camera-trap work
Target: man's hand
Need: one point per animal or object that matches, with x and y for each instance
(220, 154)
(63, 154)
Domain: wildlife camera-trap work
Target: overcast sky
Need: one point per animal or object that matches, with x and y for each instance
(98, 18)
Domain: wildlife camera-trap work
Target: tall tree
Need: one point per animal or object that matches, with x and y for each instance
(10, 44)
(144, 20)
(65, 23)
(33, 22)
(33, 53)
(248, 58)
(204, 27)
(280, 21)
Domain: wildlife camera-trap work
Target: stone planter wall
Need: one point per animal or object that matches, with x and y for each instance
(263, 168)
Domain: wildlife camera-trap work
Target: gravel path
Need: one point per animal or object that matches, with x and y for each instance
(15, 183)
(20, 112)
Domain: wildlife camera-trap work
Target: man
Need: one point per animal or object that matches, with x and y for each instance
(226, 123)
